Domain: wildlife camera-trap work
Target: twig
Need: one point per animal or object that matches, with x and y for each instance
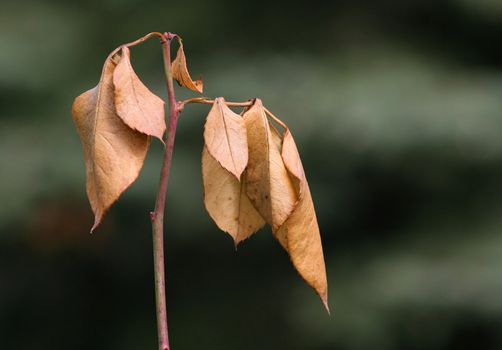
(206, 101)
(157, 216)
(277, 120)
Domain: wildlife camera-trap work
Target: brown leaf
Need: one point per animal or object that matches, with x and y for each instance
(226, 200)
(269, 186)
(138, 107)
(225, 137)
(300, 232)
(113, 152)
(180, 71)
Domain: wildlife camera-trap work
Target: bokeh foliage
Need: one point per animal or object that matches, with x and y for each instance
(397, 110)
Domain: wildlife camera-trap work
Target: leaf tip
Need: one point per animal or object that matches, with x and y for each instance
(199, 85)
(97, 221)
(181, 74)
(324, 299)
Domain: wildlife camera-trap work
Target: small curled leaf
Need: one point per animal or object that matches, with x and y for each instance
(180, 71)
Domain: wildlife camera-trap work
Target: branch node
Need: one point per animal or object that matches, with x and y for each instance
(180, 106)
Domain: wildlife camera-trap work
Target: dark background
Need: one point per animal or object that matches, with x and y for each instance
(396, 107)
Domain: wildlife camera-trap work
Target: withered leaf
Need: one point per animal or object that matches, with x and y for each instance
(225, 138)
(181, 74)
(138, 107)
(113, 152)
(300, 232)
(226, 200)
(269, 186)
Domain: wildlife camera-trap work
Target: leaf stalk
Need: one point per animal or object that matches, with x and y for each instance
(206, 101)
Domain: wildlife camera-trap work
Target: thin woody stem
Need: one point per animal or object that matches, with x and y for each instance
(277, 120)
(204, 100)
(207, 101)
(157, 216)
(137, 42)
(145, 38)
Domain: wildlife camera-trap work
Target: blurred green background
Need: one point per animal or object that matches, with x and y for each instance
(396, 108)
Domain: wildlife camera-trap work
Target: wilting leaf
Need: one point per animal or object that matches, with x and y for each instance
(300, 232)
(226, 201)
(180, 71)
(269, 186)
(138, 107)
(113, 152)
(225, 138)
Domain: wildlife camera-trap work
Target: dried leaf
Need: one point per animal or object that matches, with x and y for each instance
(138, 107)
(269, 186)
(226, 200)
(300, 232)
(113, 152)
(225, 138)
(181, 74)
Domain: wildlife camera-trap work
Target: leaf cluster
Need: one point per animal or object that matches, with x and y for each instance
(252, 172)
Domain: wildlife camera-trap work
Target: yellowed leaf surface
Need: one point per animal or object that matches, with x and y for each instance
(225, 138)
(226, 200)
(181, 74)
(269, 186)
(138, 107)
(113, 152)
(300, 232)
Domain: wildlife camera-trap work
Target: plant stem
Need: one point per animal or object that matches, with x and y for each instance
(157, 216)
(277, 120)
(137, 42)
(206, 101)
